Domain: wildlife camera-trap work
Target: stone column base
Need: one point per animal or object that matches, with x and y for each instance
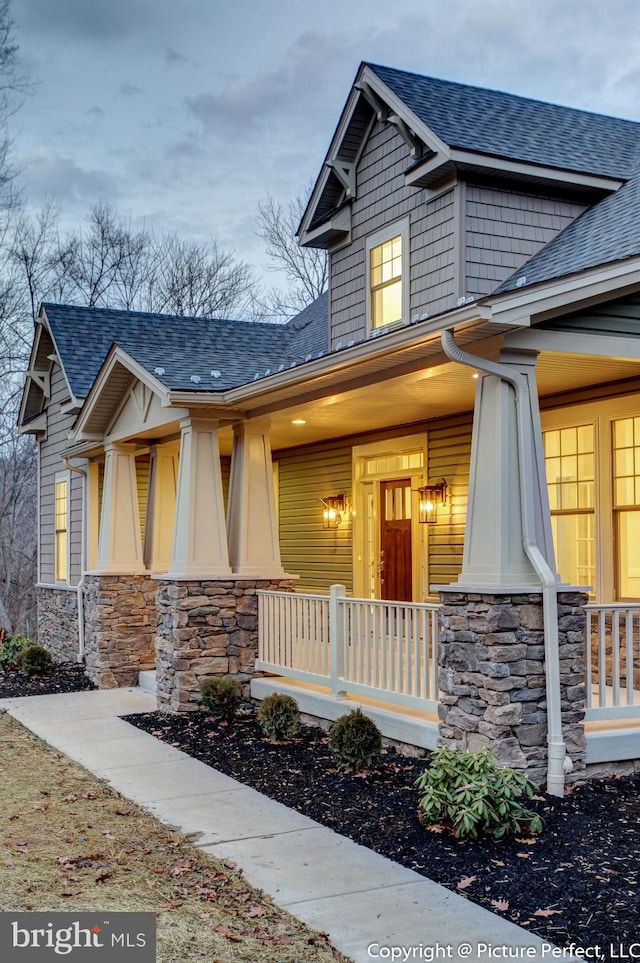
(58, 622)
(206, 628)
(120, 624)
(492, 677)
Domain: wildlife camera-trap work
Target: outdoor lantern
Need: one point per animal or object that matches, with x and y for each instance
(334, 509)
(430, 497)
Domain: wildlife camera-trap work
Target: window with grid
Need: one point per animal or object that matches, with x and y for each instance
(61, 564)
(626, 506)
(385, 275)
(570, 465)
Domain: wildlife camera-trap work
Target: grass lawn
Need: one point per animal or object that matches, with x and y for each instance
(68, 842)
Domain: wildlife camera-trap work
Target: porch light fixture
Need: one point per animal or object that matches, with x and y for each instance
(430, 497)
(334, 510)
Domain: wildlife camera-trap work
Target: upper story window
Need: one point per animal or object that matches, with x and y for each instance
(387, 276)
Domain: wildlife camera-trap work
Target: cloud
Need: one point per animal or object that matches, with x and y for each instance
(87, 20)
(130, 90)
(172, 57)
(52, 175)
(289, 88)
(95, 111)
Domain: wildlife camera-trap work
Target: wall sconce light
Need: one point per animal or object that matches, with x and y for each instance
(334, 510)
(430, 497)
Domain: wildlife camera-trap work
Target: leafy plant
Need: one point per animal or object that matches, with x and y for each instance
(35, 660)
(279, 716)
(11, 648)
(355, 741)
(221, 696)
(475, 795)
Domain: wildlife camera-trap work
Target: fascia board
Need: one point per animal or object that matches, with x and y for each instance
(28, 382)
(576, 342)
(524, 169)
(545, 300)
(252, 393)
(43, 316)
(399, 107)
(336, 140)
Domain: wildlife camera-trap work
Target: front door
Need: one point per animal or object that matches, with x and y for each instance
(396, 575)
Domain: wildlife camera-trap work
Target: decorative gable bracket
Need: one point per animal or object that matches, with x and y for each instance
(346, 174)
(42, 379)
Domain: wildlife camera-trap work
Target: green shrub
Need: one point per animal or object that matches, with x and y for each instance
(221, 696)
(475, 796)
(11, 648)
(355, 741)
(34, 660)
(279, 716)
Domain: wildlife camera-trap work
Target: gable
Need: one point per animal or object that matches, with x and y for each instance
(450, 129)
(140, 413)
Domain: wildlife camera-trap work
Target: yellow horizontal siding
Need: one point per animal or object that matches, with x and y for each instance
(319, 556)
(449, 457)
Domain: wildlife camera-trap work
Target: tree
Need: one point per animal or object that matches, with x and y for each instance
(306, 269)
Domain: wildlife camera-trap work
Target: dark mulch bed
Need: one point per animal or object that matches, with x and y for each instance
(69, 677)
(575, 882)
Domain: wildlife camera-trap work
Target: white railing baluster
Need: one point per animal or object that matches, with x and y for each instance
(610, 643)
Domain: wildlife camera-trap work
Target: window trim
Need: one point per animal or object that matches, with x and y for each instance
(62, 477)
(397, 229)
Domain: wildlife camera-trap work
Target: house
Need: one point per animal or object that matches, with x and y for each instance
(452, 433)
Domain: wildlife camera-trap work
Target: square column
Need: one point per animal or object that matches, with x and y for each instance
(252, 526)
(494, 554)
(163, 479)
(120, 541)
(199, 539)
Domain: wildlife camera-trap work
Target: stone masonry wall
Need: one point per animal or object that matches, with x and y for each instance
(120, 625)
(492, 677)
(58, 622)
(206, 628)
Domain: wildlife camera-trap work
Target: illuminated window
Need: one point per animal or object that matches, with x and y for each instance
(626, 506)
(387, 276)
(61, 545)
(570, 465)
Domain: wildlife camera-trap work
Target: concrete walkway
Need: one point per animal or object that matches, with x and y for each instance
(365, 902)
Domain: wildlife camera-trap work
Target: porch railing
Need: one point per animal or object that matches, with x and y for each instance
(368, 647)
(613, 661)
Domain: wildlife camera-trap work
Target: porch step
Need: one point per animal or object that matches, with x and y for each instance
(147, 681)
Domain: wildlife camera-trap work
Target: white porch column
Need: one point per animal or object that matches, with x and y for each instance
(199, 540)
(252, 527)
(163, 478)
(493, 544)
(119, 541)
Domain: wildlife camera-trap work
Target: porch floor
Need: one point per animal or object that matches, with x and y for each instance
(401, 724)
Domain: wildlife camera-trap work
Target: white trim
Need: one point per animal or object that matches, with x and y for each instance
(399, 229)
(403, 444)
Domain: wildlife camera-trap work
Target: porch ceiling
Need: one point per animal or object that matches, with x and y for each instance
(424, 395)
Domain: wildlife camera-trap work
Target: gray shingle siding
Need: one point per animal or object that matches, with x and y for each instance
(382, 199)
(504, 228)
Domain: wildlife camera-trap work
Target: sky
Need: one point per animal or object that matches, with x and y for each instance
(185, 114)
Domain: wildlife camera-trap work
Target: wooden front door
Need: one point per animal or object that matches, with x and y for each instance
(395, 540)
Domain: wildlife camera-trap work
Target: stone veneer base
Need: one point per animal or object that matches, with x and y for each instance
(206, 628)
(120, 623)
(492, 677)
(58, 622)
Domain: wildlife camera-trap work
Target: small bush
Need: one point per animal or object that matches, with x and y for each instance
(34, 660)
(475, 796)
(279, 716)
(355, 741)
(221, 696)
(10, 650)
